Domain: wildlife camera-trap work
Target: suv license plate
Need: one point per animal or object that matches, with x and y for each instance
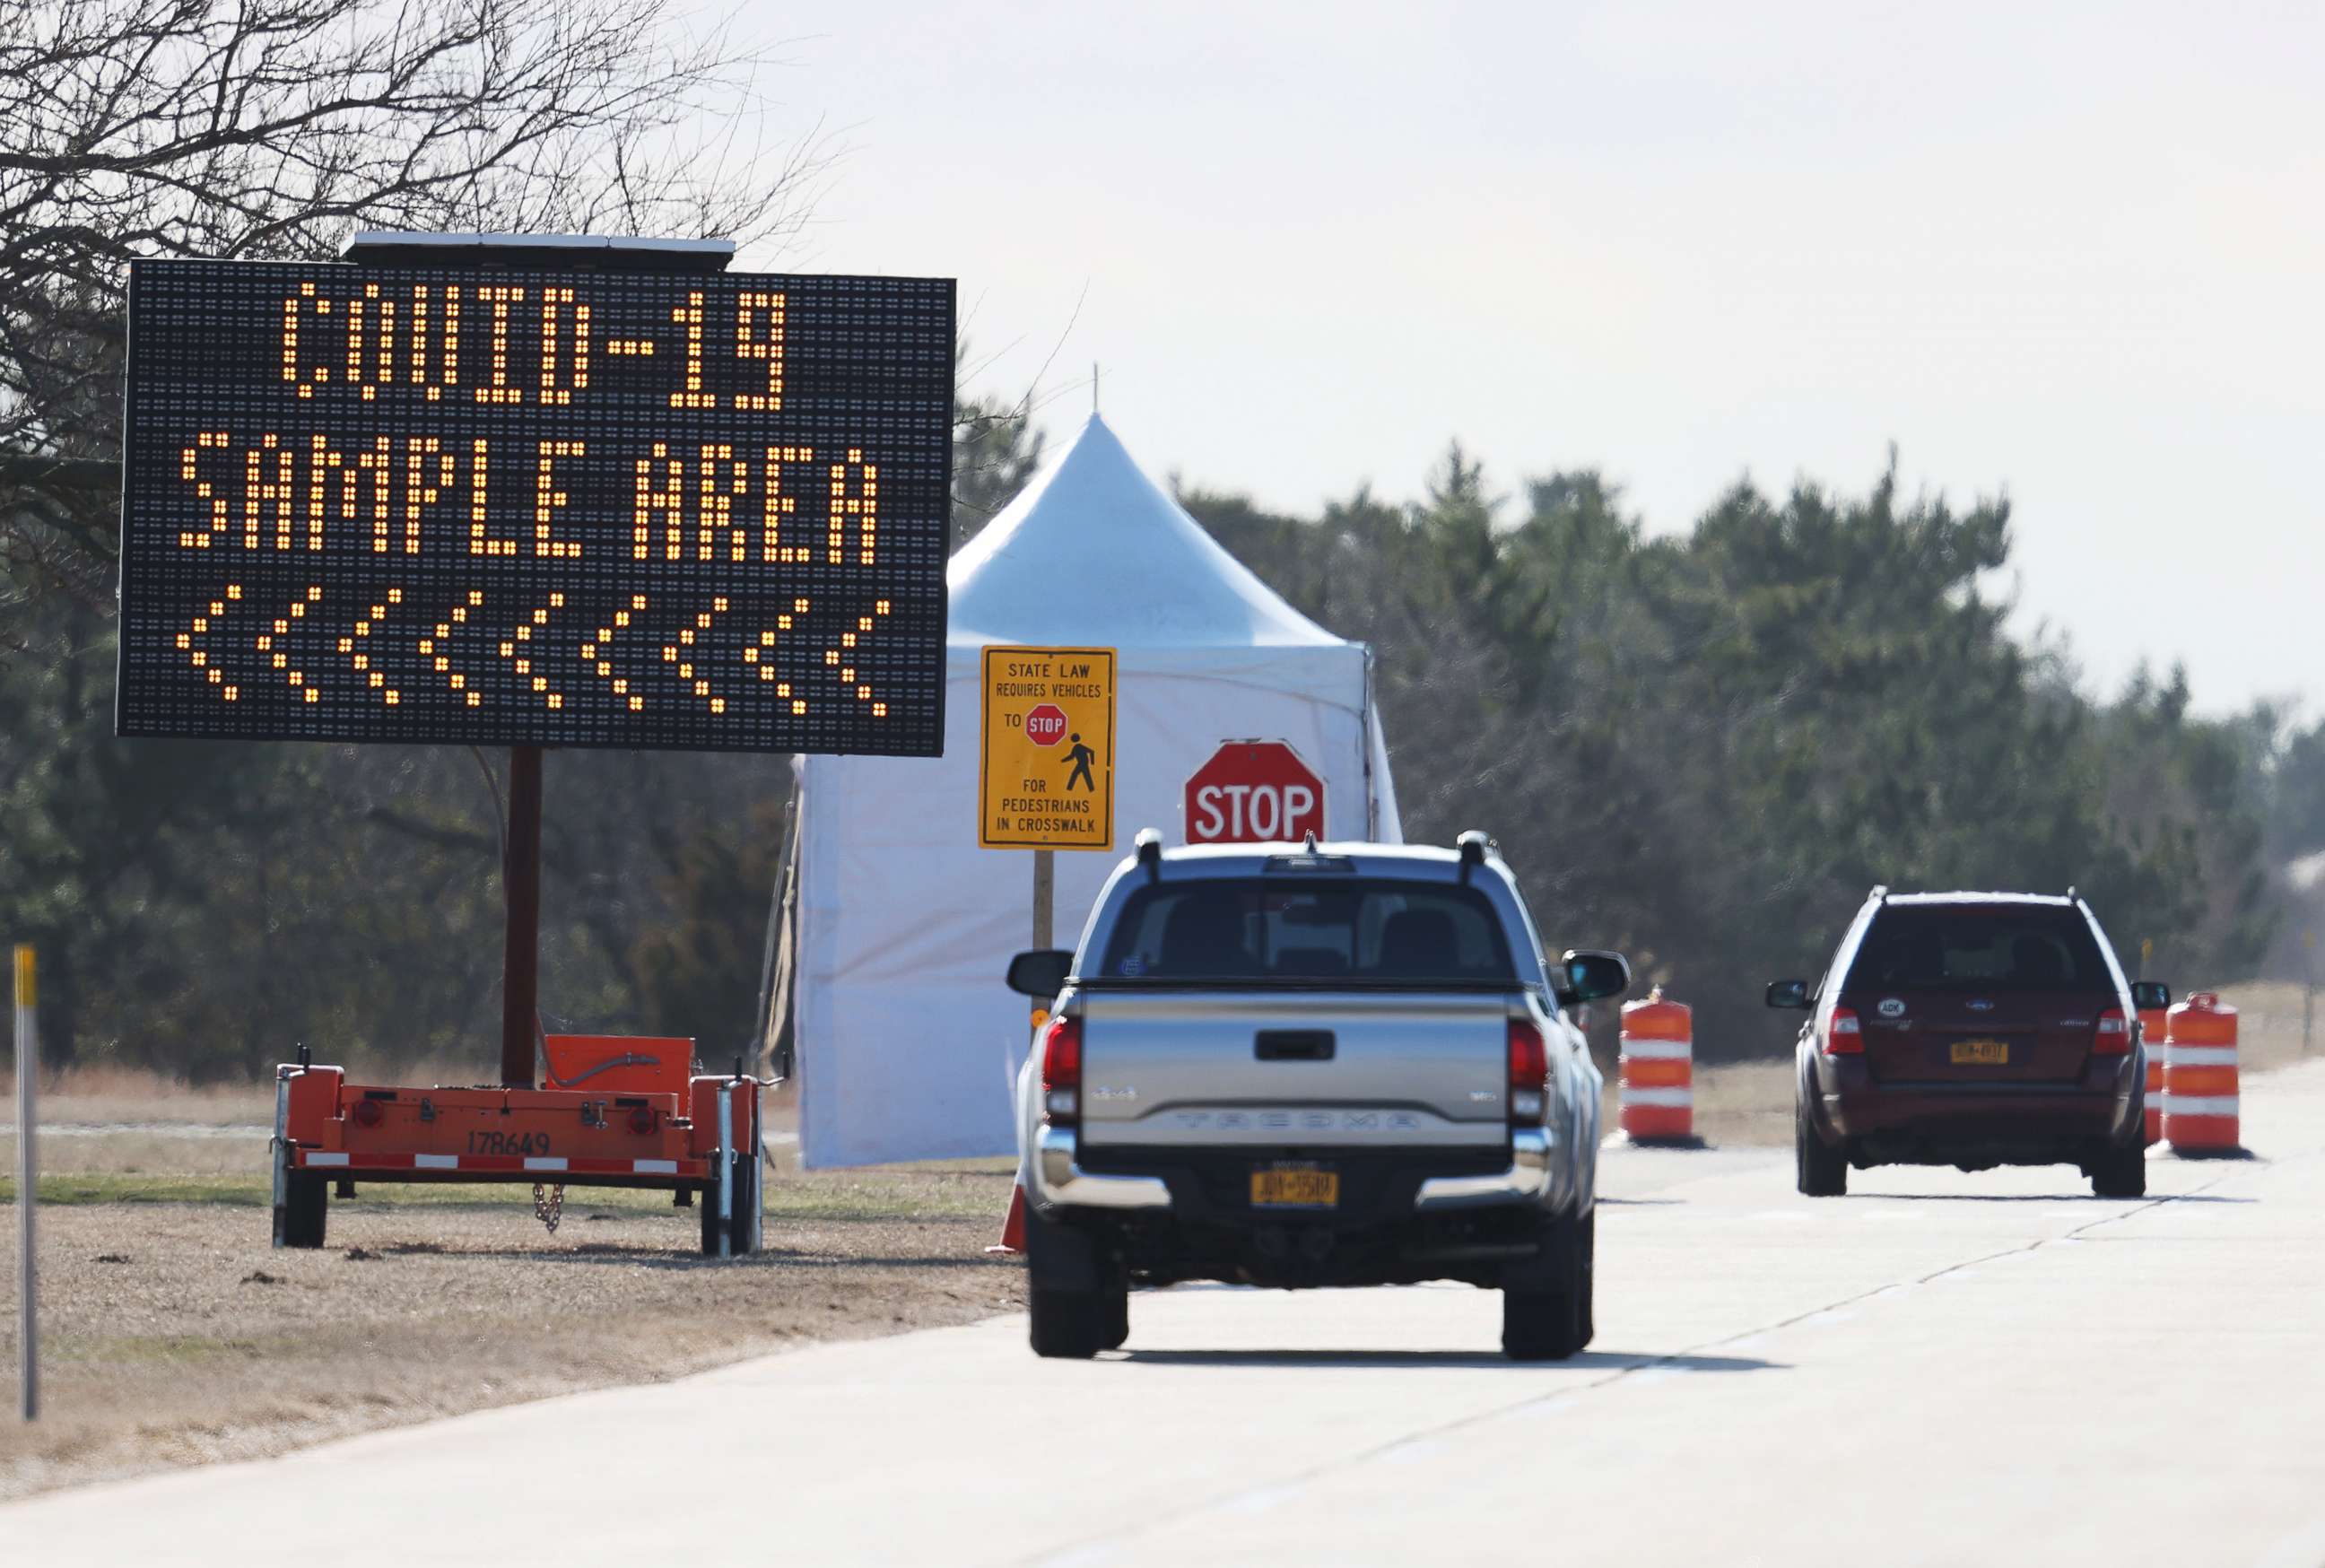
(1982, 1053)
(1295, 1187)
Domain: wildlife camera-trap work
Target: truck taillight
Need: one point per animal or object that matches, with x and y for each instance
(1528, 1070)
(1844, 1036)
(1062, 1069)
(2114, 1035)
(366, 1114)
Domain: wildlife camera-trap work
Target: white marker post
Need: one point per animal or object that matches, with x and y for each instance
(28, 1073)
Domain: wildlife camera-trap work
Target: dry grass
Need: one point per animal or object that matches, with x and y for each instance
(2269, 1024)
(1739, 1102)
(174, 1335)
(133, 1094)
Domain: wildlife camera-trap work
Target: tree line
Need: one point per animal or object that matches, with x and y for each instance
(1706, 747)
(1701, 747)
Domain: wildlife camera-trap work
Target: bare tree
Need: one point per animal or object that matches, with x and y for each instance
(270, 129)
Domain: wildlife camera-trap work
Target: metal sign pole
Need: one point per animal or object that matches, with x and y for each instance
(2308, 988)
(28, 1075)
(1045, 898)
(521, 888)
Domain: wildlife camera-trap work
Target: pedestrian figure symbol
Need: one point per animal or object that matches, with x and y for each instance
(1082, 756)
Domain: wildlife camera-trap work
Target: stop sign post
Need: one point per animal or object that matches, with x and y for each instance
(1254, 791)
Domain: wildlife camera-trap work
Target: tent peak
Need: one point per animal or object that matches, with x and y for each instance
(1095, 550)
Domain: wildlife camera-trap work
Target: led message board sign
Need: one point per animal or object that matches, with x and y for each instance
(700, 511)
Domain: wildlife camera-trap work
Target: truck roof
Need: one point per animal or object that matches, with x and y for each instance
(2057, 901)
(1424, 862)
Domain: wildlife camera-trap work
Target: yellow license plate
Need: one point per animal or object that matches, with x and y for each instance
(1295, 1187)
(1982, 1053)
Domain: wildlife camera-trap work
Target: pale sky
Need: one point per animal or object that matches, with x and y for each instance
(2072, 252)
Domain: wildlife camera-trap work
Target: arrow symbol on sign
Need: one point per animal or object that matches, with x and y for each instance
(604, 666)
(431, 647)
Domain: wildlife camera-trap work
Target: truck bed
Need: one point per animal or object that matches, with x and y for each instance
(1264, 1067)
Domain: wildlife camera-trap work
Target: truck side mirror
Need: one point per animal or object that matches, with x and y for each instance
(1041, 973)
(1792, 994)
(2150, 996)
(1590, 974)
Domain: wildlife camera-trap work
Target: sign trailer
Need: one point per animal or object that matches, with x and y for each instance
(534, 492)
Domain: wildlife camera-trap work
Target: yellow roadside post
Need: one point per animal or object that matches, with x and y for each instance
(2308, 988)
(28, 1074)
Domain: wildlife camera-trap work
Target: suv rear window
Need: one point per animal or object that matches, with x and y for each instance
(1979, 947)
(1319, 929)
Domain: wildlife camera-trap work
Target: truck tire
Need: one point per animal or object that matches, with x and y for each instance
(1819, 1170)
(1068, 1324)
(1545, 1307)
(1588, 1276)
(1071, 1295)
(306, 1208)
(2121, 1172)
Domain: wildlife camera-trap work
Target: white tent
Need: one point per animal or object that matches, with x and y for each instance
(906, 1039)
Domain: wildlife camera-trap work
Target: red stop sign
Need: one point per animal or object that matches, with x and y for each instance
(1046, 725)
(1252, 792)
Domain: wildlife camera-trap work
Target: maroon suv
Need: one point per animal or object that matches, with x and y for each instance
(1973, 1030)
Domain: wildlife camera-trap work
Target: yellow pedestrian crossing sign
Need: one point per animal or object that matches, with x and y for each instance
(1045, 761)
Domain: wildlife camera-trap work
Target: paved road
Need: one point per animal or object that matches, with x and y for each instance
(1943, 1369)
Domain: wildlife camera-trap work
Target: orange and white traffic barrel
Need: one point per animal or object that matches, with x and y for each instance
(2153, 1025)
(2200, 1077)
(1656, 1070)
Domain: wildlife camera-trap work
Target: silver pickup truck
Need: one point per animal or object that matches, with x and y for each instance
(1311, 1065)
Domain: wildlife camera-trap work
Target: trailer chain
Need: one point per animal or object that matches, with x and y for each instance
(549, 1204)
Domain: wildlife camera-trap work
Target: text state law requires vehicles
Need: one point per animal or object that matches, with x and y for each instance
(1975, 1030)
(1305, 1066)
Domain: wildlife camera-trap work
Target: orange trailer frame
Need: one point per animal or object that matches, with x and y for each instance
(617, 1111)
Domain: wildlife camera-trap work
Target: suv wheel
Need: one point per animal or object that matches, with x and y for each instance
(1546, 1314)
(1074, 1307)
(2120, 1173)
(1819, 1170)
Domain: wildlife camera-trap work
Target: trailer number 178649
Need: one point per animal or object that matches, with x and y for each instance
(503, 1143)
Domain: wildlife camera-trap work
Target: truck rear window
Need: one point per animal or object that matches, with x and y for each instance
(1324, 929)
(1979, 947)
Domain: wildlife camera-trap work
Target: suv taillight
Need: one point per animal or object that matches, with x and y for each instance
(1844, 1036)
(1529, 1071)
(2113, 1037)
(1062, 1069)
